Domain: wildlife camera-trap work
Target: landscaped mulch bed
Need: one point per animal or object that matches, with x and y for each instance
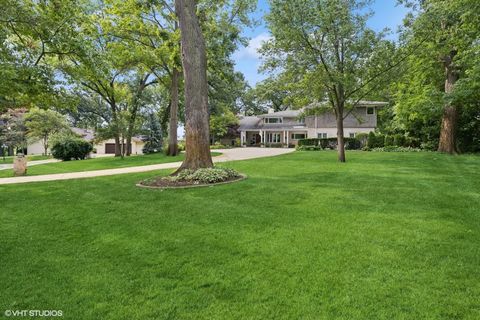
(163, 183)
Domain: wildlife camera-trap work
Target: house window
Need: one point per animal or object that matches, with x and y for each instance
(298, 136)
(273, 120)
(370, 110)
(273, 137)
(301, 120)
(322, 135)
(352, 135)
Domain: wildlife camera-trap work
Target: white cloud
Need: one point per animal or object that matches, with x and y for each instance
(251, 51)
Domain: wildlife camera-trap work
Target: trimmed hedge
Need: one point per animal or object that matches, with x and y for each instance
(330, 143)
(378, 140)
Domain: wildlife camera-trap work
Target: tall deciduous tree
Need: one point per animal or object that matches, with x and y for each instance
(32, 34)
(149, 29)
(194, 61)
(328, 52)
(42, 124)
(448, 32)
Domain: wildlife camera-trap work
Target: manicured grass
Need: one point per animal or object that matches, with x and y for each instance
(383, 236)
(98, 164)
(9, 159)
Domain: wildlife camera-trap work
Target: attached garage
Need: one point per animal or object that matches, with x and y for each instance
(110, 148)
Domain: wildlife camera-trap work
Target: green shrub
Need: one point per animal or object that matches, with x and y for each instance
(68, 147)
(399, 140)
(329, 143)
(375, 140)
(352, 144)
(362, 137)
(309, 148)
(309, 142)
(396, 149)
(219, 145)
(389, 141)
(205, 175)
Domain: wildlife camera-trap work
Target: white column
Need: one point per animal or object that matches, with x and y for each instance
(287, 137)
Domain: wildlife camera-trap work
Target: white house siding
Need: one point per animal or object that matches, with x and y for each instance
(137, 146)
(36, 148)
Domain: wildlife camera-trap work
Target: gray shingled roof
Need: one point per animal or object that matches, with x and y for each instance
(286, 113)
(248, 122)
(86, 134)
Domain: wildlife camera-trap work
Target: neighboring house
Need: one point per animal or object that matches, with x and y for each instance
(103, 147)
(285, 128)
(108, 146)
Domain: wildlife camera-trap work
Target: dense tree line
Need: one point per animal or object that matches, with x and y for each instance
(322, 53)
(115, 65)
(109, 64)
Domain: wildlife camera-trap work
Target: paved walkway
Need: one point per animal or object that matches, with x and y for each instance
(227, 155)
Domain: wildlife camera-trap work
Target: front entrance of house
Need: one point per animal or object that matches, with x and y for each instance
(270, 138)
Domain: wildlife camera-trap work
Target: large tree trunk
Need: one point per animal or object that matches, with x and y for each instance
(194, 62)
(340, 138)
(133, 112)
(448, 128)
(173, 123)
(118, 150)
(128, 144)
(45, 146)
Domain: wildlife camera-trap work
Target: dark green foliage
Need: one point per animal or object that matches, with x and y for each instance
(153, 140)
(396, 149)
(352, 144)
(398, 140)
(308, 142)
(330, 143)
(375, 140)
(389, 141)
(71, 147)
(309, 148)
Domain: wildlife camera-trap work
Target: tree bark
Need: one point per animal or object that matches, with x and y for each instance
(173, 122)
(133, 115)
(45, 145)
(340, 137)
(194, 62)
(448, 128)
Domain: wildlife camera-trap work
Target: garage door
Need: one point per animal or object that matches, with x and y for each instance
(110, 148)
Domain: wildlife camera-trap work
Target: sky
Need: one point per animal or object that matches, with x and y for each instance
(386, 15)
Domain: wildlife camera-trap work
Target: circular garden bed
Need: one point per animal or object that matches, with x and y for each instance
(194, 178)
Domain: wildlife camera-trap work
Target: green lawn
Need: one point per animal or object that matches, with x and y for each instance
(383, 236)
(98, 164)
(9, 159)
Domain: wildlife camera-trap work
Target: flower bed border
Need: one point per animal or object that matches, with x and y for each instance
(240, 178)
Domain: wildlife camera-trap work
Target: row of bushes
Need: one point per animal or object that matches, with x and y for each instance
(396, 149)
(378, 140)
(329, 143)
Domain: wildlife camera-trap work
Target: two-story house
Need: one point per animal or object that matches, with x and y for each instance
(287, 127)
